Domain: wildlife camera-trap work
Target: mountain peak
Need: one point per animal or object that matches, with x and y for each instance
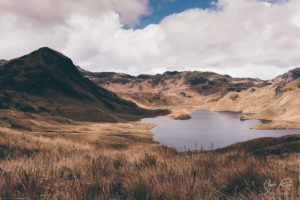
(48, 81)
(47, 60)
(291, 75)
(37, 70)
(47, 54)
(47, 50)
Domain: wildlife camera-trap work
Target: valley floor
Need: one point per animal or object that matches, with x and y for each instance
(120, 161)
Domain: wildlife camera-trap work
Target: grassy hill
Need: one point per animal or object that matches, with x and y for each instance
(47, 82)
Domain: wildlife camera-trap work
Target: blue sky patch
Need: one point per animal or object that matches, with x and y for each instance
(163, 8)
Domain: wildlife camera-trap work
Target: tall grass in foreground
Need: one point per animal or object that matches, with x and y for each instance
(36, 167)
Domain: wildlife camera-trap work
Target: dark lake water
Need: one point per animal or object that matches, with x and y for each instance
(208, 130)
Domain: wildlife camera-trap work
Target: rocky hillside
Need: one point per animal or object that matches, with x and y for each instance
(204, 83)
(47, 82)
(172, 88)
(277, 101)
(289, 76)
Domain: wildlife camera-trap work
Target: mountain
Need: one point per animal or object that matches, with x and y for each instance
(202, 82)
(276, 101)
(279, 103)
(47, 82)
(172, 88)
(289, 76)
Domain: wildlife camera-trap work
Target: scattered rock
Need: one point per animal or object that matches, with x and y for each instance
(279, 90)
(234, 97)
(183, 117)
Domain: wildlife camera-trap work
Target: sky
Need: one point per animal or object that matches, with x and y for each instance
(162, 8)
(241, 38)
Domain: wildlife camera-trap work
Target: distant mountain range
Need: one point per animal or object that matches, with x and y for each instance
(171, 88)
(46, 82)
(277, 100)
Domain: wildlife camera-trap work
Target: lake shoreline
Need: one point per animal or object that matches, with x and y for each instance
(271, 125)
(242, 127)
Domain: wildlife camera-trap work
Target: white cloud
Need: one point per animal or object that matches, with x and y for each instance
(240, 38)
(53, 12)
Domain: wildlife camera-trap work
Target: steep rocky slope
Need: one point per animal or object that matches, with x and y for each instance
(47, 82)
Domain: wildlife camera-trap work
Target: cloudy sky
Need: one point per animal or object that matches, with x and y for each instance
(253, 38)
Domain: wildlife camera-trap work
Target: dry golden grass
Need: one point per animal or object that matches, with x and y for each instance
(278, 102)
(33, 166)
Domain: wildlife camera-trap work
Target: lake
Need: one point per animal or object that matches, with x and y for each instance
(208, 130)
